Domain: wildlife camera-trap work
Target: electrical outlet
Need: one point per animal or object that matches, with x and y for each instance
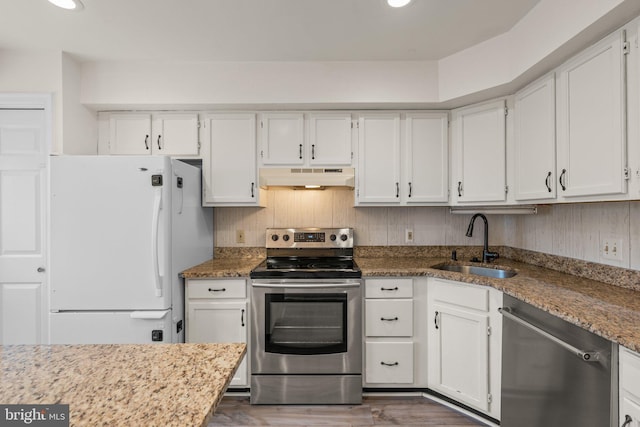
(611, 248)
(408, 235)
(239, 236)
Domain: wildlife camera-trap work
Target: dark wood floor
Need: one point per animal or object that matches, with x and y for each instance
(374, 411)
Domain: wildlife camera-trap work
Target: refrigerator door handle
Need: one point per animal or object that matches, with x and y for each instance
(148, 315)
(155, 224)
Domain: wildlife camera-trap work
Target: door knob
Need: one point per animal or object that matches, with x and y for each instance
(40, 269)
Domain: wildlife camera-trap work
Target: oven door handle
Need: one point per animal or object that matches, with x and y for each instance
(305, 285)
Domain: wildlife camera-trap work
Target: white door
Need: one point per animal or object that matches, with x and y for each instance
(282, 139)
(459, 355)
(591, 121)
(209, 322)
(229, 160)
(330, 139)
(426, 158)
(23, 227)
(130, 133)
(378, 159)
(535, 141)
(175, 134)
(480, 153)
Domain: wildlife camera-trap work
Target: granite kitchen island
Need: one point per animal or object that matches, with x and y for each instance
(124, 385)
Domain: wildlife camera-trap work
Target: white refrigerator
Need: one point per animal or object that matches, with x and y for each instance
(122, 230)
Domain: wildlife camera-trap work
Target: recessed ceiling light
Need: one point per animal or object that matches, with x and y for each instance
(393, 3)
(68, 4)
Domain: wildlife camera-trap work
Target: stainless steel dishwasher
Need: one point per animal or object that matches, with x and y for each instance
(554, 374)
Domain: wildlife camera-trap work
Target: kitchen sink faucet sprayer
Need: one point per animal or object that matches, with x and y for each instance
(486, 255)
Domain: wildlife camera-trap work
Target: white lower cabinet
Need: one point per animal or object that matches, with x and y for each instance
(217, 312)
(464, 343)
(629, 375)
(395, 340)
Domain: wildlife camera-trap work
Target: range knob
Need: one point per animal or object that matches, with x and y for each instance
(274, 237)
(285, 237)
(344, 237)
(333, 237)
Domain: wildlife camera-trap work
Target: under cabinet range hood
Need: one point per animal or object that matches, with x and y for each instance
(307, 177)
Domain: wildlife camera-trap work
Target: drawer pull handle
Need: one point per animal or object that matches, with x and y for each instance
(389, 364)
(627, 421)
(390, 319)
(242, 317)
(389, 289)
(436, 320)
(217, 290)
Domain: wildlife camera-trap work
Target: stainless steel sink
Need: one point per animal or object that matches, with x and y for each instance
(496, 273)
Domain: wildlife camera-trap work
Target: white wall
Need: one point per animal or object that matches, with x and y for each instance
(79, 123)
(33, 72)
(152, 84)
(74, 126)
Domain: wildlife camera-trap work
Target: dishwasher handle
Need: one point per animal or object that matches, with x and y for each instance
(586, 356)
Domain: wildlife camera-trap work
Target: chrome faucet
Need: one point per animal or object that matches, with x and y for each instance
(486, 255)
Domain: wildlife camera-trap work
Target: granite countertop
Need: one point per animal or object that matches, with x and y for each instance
(609, 306)
(222, 267)
(612, 312)
(128, 385)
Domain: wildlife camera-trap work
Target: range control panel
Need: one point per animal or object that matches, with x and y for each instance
(309, 238)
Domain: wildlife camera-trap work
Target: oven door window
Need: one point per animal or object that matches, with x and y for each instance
(306, 323)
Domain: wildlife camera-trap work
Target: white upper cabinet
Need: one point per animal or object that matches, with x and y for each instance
(282, 138)
(479, 153)
(329, 139)
(591, 121)
(425, 158)
(229, 160)
(378, 172)
(312, 139)
(171, 134)
(175, 134)
(535, 141)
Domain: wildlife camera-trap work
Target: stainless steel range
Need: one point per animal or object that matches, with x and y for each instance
(306, 311)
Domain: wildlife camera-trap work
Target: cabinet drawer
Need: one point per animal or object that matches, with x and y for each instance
(389, 318)
(388, 288)
(469, 296)
(630, 372)
(389, 362)
(216, 288)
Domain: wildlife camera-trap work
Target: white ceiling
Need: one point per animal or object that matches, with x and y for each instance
(257, 30)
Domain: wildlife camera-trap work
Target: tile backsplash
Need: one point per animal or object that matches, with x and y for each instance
(570, 230)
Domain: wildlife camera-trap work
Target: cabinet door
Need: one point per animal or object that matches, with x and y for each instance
(426, 158)
(229, 160)
(211, 322)
(591, 121)
(378, 171)
(330, 139)
(535, 141)
(459, 355)
(629, 412)
(282, 138)
(21, 314)
(480, 153)
(130, 133)
(175, 134)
